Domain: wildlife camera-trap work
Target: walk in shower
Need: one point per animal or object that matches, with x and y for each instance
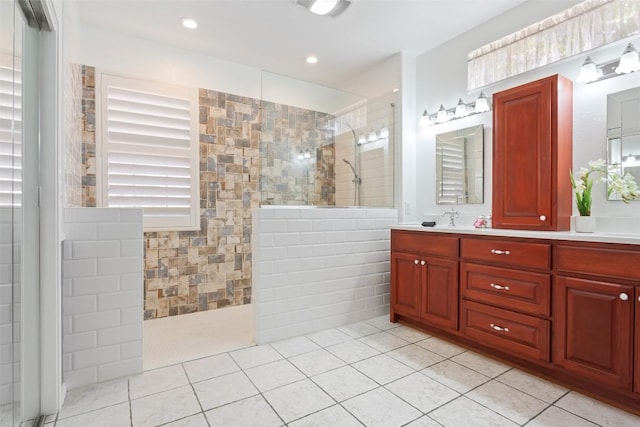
(324, 147)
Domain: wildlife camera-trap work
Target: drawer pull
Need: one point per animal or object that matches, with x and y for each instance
(499, 252)
(499, 328)
(416, 262)
(499, 287)
(423, 262)
(624, 296)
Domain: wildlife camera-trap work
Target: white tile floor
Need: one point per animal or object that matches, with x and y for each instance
(371, 373)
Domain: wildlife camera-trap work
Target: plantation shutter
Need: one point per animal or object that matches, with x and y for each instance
(10, 134)
(150, 151)
(453, 170)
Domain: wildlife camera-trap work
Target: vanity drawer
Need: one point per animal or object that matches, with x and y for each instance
(424, 242)
(512, 289)
(507, 252)
(515, 333)
(602, 260)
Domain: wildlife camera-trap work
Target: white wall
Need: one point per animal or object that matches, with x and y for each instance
(439, 84)
(102, 294)
(318, 268)
(130, 56)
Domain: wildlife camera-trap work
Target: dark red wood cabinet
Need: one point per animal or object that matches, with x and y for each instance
(532, 155)
(424, 278)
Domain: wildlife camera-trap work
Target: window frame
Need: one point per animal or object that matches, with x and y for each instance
(150, 223)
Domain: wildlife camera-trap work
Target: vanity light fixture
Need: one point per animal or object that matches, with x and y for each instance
(461, 109)
(384, 133)
(480, 105)
(589, 72)
(442, 115)
(189, 23)
(307, 154)
(362, 140)
(331, 8)
(424, 120)
(628, 62)
(372, 137)
(630, 160)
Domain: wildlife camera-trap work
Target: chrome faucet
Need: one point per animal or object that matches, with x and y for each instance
(453, 214)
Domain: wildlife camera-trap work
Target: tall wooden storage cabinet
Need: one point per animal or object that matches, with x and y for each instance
(532, 155)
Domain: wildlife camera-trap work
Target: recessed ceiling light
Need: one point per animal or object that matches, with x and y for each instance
(189, 23)
(395, 90)
(311, 59)
(325, 7)
(322, 7)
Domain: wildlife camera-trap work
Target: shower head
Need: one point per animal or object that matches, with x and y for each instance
(351, 166)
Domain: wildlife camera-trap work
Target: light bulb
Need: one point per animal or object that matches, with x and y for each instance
(461, 109)
(322, 7)
(482, 104)
(189, 23)
(589, 72)
(629, 61)
(424, 119)
(442, 115)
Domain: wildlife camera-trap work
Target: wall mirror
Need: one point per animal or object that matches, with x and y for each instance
(623, 133)
(460, 166)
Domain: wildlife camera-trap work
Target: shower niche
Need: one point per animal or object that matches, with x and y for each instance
(324, 147)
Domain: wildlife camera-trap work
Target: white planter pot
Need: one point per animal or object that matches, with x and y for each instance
(585, 224)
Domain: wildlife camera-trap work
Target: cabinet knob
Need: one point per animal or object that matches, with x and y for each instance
(498, 328)
(416, 262)
(423, 262)
(499, 252)
(624, 296)
(499, 287)
(543, 218)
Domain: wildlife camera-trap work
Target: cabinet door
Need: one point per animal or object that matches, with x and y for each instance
(406, 277)
(593, 330)
(440, 293)
(532, 156)
(522, 155)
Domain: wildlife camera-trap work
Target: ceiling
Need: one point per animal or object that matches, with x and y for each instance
(277, 35)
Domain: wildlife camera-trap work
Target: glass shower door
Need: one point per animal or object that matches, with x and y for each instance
(11, 230)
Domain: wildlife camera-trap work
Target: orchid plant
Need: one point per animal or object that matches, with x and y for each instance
(623, 186)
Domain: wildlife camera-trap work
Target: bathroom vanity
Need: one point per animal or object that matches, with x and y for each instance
(561, 305)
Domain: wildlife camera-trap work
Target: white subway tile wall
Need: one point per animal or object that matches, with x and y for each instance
(318, 268)
(102, 303)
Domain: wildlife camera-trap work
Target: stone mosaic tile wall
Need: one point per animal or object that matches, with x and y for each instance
(298, 158)
(89, 137)
(189, 271)
(73, 127)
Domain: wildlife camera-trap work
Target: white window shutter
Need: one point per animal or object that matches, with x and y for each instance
(10, 134)
(150, 151)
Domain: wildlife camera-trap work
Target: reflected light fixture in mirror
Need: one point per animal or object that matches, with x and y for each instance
(628, 62)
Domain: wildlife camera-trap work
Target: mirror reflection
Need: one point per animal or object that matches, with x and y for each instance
(623, 133)
(460, 166)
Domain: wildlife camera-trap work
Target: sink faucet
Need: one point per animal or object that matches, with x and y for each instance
(453, 214)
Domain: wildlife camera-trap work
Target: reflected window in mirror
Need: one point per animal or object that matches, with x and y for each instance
(623, 133)
(460, 166)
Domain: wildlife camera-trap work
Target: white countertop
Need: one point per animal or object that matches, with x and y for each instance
(609, 237)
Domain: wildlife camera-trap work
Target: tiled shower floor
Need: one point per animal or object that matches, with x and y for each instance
(371, 373)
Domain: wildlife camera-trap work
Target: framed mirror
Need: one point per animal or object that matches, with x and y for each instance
(623, 133)
(460, 166)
